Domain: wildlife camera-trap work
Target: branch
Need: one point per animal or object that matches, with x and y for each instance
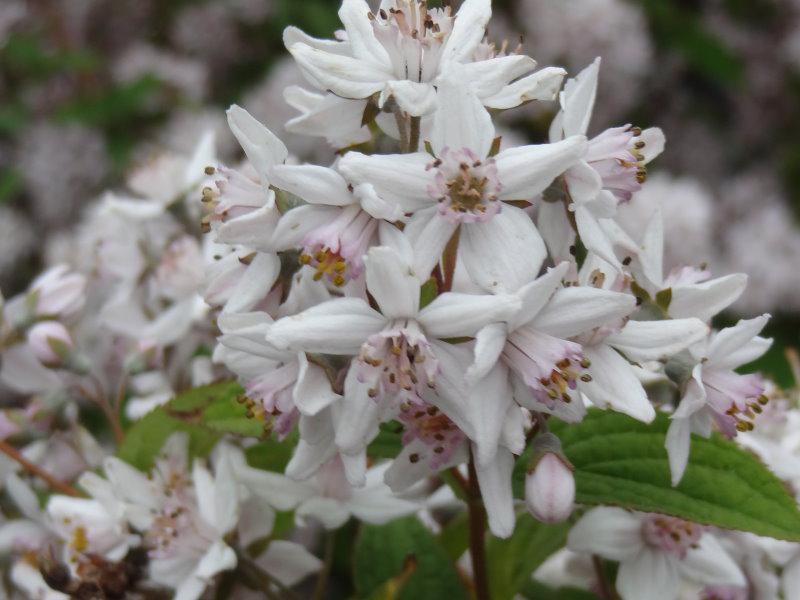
(34, 469)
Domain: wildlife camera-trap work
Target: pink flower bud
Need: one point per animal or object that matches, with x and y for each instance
(58, 292)
(51, 342)
(550, 489)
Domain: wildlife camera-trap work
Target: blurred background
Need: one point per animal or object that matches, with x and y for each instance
(89, 89)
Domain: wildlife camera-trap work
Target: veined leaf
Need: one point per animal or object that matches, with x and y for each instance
(381, 553)
(622, 462)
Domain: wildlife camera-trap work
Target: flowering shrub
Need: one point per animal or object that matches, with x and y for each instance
(442, 366)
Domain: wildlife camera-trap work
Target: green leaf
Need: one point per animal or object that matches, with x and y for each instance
(205, 412)
(388, 442)
(115, 106)
(147, 436)
(622, 462)
(10, 184)
(454, 537)
(380, 555)
(428, 292)
(510, 562)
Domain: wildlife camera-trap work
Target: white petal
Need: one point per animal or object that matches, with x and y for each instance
(312, 183)
(255, 230)
(489, 343)
(574, 310)
(331, 513)
(460, 120)
(360, 34)
(262, 147)
(488, 77)
(392, 283)
(357, 415)
(614, 384)
(732, 339)
(397, 178)
(376, 206)
(537, 294)
(255, 283)
(558, 235)
(489, 400)
(495, 484)
(651, 575)
(379, 506)
(584, 183)
(338, 326)
(308, 458)
(577, 100)
(288, 562)
(312, 392)
(677, 443)
(455, 315)
(594, 236)
(343, 75)
(21, 371)
(526, 171)
(468, 30)
(652, 340)
(704, 300)
(295, 224)
(542, 85)
(654, 142)
(607, 531)
(504, 253)
(412, 97)
(428, 233)
(710, 564)
(751, 351)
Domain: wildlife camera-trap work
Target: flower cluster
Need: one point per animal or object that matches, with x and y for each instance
(433, 282)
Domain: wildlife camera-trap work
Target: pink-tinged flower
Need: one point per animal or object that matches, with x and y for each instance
(463, 189)
(549, 483)
(397, 348)
(609, 172)
(241, 203)
(656, 552)
(404, 49)
(50, 342)
(57, 292)
(714, 394)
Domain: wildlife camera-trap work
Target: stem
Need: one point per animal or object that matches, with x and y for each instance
(36, 470)
(401, 119)
(99, 398)
(606, 591)
(324, 575)
(477, 528)
(449, 257)
(413, 142)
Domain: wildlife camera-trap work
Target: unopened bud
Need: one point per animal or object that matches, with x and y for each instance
(50, 342)
(550, 484)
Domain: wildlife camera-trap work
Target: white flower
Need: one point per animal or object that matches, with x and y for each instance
(463, 189)
(655, 552)
(50, 342)
(714, 393)
(403, 49)
(610, 171)
(57, 293)
(398, 348)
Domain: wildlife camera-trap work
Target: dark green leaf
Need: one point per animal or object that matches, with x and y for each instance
(454, 537)
(428, 292)
(380, 555)
(620, 461)
(533, 590)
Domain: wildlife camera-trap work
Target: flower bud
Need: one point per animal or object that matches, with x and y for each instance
(57, 292)
(549, 485)
(51, 342)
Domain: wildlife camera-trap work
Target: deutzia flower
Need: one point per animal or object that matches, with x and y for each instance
(714, 393)
(403, 49)
(610, 171)
(655, 552)
(463, 189)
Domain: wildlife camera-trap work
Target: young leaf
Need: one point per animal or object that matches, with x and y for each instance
(381, 553)
(622, 462)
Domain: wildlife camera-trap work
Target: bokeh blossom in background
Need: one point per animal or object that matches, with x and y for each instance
(400, 299)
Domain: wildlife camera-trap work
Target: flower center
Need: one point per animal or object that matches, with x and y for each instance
(398, 359)
(616, 155)
(413, 37)
(337, 250)
(672, 535)
(234, 194)
(465, 186)
(736, 400)
(426, 423)
(268, 398)
(549, 366)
